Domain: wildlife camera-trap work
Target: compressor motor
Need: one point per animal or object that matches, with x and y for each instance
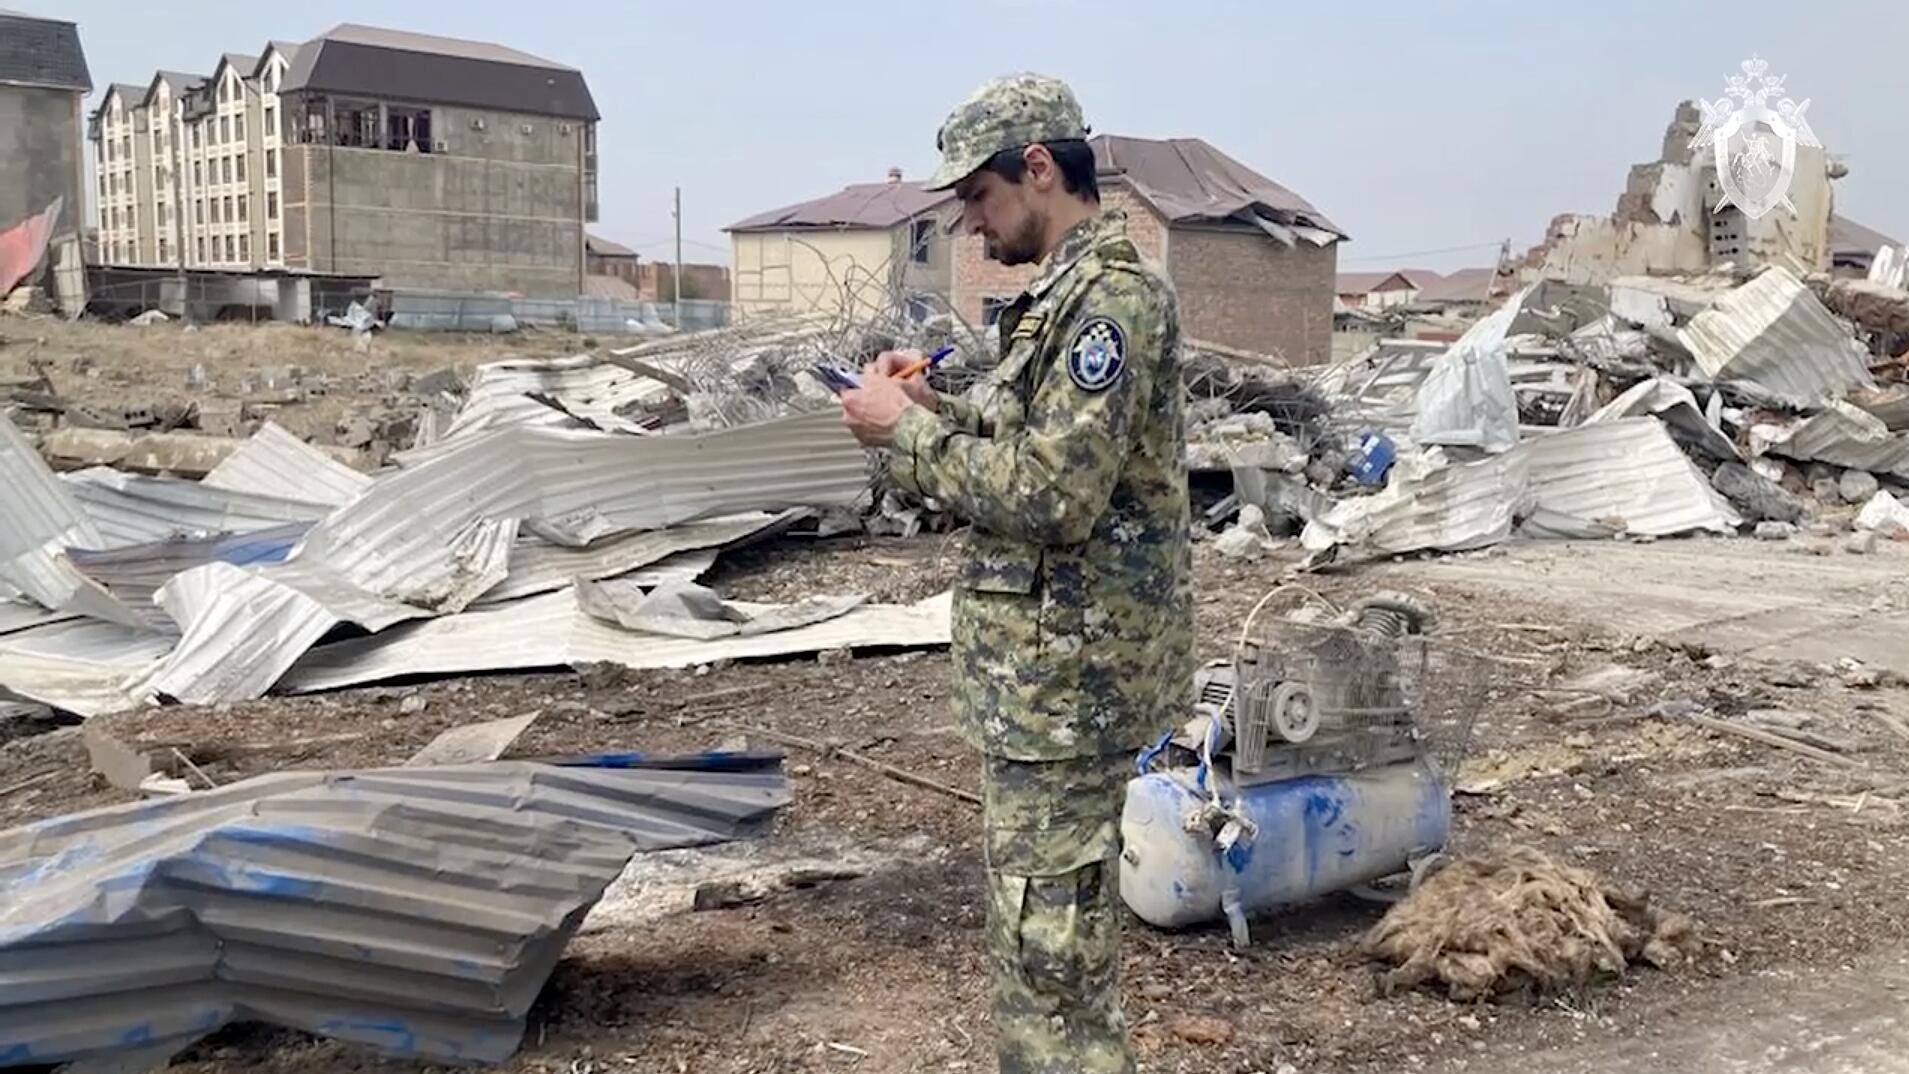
(1309, 767)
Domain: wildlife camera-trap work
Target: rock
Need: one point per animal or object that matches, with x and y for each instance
(1886, 515)
(834, 656)
(1201, 1029)
(413, 705)
(1775, 531)
(1820, 471)
(149, 317)
(1860, 544)
(1758, 497)
(1857, 486)
(1827, 490)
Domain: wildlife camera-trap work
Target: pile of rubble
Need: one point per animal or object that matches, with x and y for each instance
(1646, 407)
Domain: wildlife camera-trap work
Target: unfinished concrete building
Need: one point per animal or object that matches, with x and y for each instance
(43, 80)
(1667, 220)
(436, 163)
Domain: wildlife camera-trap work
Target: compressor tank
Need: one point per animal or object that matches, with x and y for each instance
(1316, 834)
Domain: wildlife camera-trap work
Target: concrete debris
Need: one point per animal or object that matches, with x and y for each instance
(150, 317)
(471, 743)
(1248, 538)
(1886, 516)
(1855, 486)
(1758, 498)
(1775, 531)
(414, 911)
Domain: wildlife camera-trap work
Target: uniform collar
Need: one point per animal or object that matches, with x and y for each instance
(1079, 240)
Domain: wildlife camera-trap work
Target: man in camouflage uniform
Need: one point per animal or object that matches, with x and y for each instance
(1073, 612)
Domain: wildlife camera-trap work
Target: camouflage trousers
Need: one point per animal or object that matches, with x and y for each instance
(1053, 847)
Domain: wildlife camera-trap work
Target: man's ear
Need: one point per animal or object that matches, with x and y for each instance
(1042, 170)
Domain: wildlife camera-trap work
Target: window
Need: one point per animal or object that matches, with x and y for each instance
(164, 253)
(224, 91)
(115, 251)
(225, 169)
(271, 119)
(229, 217)
(215, 212)
(163, 214)
(112, 183)
(231, 251)
(241, 167)
(225, 128)
(126, 146)
(198, 173)
(408, 129)
(271, 205)
(271, 246)
(245, 247)
(198, 212)
(196, 144)
(238, 127)
(271, 164)
(357, 124)
(241, 216)
(201, 245)
(921, 235)
(991, 308)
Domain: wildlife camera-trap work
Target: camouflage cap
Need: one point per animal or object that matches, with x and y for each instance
(1005, 113)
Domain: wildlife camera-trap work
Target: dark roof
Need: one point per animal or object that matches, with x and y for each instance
(178, 81)
(240, 62)
(42, 52)
(1187, 180)
(438, 70)
(597, 244)
(1847, 238)
(864, 205)
(1465, 285)
(287, 49)
(134, 96)
(1359, 283)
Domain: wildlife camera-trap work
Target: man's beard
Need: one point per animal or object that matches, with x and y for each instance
(1023, 248)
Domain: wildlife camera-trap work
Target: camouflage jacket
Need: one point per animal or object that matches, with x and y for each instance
(1073, 631)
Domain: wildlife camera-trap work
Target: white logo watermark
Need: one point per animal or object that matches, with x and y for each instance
(1754, 145)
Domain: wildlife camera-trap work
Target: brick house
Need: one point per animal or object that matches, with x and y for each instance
(1253, 262)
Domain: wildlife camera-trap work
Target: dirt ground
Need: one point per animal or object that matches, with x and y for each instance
(305, 378)
(1794, 868)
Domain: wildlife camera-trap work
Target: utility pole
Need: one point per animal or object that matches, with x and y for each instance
(678, 274)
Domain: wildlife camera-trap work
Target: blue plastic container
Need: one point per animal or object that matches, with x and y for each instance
(1372, 457)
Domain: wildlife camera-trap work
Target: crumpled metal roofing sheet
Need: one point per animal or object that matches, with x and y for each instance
(134, 575)
(402, 528)
(551, 631)
(277, 464)
(537, 566)
(1843, 435)
(130, 509)
(1775, 332)
(41, 517)
(415, 911)
(24, 615)
(1677, 407)
(1628, 469)
(1428, 503)
(80, 665)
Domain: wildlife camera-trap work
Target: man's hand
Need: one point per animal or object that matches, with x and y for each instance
(889, 364)
(871, 411)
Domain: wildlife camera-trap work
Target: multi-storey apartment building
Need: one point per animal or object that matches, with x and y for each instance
(427, 161)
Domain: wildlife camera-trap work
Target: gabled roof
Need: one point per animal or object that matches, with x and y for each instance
(1186, 180)
(877, 206)
(239, 62)
(1420, 278)
(176, 81)
(597, 244)
(1847, 238)
(1360, 283)
(41, 52)
(130, 96)
(287, 49)
(1465, 285)
(402, 66)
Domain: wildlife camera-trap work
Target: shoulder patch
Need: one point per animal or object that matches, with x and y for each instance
(1097, 354)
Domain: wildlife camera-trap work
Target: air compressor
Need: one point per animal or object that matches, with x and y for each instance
(1306, 769)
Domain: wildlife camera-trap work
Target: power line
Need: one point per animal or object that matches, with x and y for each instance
(1426, 253)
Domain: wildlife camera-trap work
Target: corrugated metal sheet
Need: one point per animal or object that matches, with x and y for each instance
(401, 528)
(1428, 503)
(40, 518)
(22, 615)
(414, 911)
(1775, 332)
(277, 464)
(1843, 435)
(129, 509)
(550, 631)
(1677, 408)
(1629, 470)
(133, 575)
(537, 566)
(242, 628)
(81, 665)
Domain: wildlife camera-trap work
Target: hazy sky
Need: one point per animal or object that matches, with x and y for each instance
(1416, 127)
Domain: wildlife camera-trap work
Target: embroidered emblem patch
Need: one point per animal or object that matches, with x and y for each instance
(1097, 354)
